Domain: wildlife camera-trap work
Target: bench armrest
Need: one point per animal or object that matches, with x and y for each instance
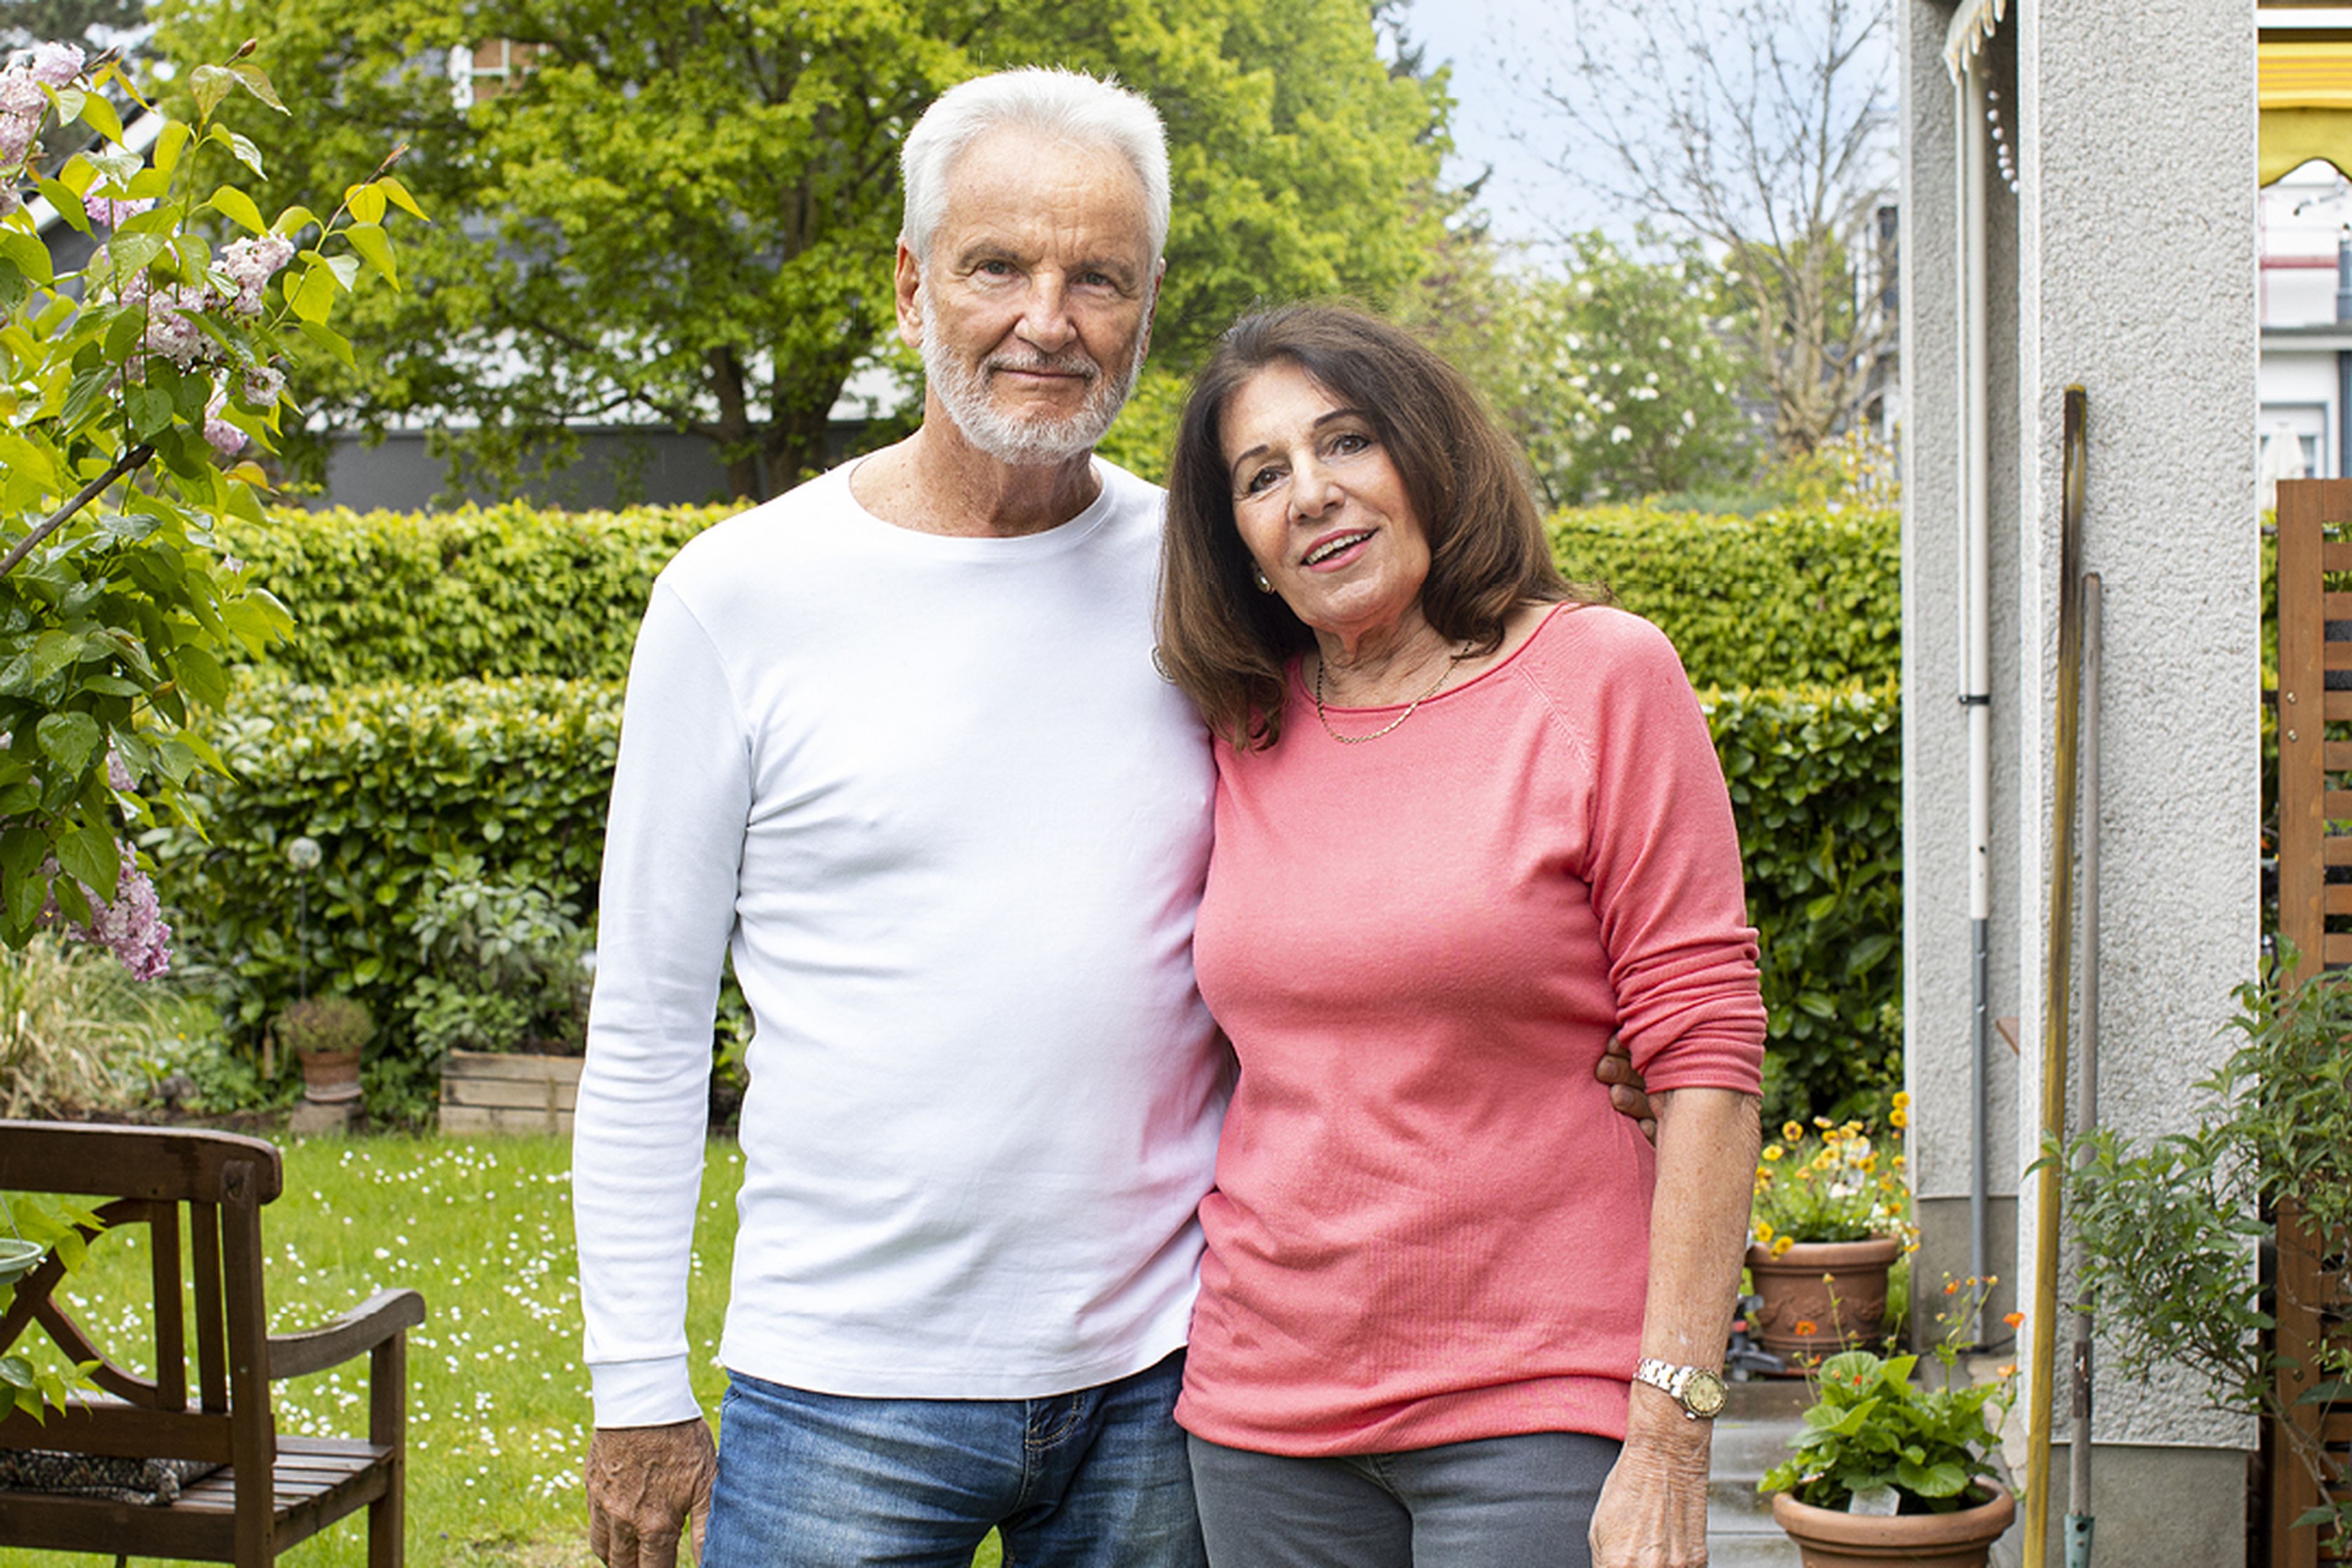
(366, 1326)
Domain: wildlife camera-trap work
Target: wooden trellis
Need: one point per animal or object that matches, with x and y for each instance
(2314, 1302)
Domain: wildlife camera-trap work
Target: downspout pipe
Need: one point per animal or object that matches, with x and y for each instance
(1976, 636)
(2343, 358)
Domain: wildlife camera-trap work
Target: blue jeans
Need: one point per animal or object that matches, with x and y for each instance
(1094, 1479)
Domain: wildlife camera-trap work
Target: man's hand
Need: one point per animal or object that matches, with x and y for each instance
(1628, 1095)
(643, 1484)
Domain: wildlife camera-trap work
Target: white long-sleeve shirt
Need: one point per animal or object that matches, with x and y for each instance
(955, 826)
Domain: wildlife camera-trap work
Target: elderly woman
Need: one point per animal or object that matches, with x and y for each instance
(1454, 1311)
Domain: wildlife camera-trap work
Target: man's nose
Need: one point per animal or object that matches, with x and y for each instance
(1046, 322)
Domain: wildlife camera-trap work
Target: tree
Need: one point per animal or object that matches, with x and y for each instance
(1615, 380)
(683, 211)
(126, 387)
(28, 22)
(1759, 128)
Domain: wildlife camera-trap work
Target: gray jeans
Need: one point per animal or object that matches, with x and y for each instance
(1500, 1502)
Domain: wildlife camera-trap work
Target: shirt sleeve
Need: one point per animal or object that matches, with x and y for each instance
(1664, 871)
(674, 839)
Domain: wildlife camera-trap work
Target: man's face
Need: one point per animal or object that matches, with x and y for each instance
(1035, 312)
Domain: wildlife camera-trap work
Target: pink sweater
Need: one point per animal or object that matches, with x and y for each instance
(1429, 1225)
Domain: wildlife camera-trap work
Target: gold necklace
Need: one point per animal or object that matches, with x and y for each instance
(1410, 708)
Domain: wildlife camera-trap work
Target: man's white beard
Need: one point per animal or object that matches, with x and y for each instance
(1027, 440)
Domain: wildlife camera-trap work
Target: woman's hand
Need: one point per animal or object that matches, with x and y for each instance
(1653, 1508)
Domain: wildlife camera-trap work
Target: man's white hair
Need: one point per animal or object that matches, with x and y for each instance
(1052, 105)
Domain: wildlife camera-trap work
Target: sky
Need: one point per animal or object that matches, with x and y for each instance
(1525, 200)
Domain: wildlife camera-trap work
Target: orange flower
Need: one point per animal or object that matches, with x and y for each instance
(2013, 1319)
(1952, 1286)
(1807, 1328)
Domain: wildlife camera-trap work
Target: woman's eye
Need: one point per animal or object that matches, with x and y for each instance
(1260, 480)
(1350, 441)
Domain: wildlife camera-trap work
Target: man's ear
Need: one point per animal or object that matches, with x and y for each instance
(1151, 310)
(906, 281)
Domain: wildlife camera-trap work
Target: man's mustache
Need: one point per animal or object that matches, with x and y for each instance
(1075, 364)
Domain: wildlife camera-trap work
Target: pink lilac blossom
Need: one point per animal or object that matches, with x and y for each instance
(9, 200)
(16, 143)
(261, 386)
(21, 94)
(132, 927)
(111, 211)
(169, 332)
(225, 438)
(249, 263)
(56, 64)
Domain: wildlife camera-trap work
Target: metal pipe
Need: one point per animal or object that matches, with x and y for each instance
(2059, 989)
(2080, 1521)
(1976, 642)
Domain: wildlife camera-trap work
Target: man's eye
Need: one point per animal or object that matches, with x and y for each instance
(995, 269)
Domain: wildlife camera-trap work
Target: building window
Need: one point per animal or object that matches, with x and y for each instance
(482, 72)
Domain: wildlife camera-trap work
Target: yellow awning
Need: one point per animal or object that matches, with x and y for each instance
(2306, 101)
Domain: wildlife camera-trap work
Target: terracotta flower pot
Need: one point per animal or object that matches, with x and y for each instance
(1845, 1310)
(1826, 1537)
(329, 1077)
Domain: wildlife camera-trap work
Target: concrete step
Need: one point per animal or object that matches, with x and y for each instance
(1751, 1437)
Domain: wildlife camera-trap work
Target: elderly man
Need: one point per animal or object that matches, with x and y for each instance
(898, 738)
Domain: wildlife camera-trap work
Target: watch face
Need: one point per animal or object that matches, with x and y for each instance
(1703, 1394)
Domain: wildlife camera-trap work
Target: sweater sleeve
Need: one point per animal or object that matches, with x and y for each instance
(673, 838)
(1664, 866)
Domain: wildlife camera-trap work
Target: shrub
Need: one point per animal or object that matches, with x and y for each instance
(74, 1029)
(1816, 780)
(503, 964)
(503, 591)
(385, 779)
(394, 781)
(1790, 598)
(325, 1025)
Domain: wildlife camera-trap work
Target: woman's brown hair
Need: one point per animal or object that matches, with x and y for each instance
(1224, 643)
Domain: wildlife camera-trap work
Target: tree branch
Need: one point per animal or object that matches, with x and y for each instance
(131, 459)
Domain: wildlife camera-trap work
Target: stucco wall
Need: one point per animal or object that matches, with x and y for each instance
(2127, 263)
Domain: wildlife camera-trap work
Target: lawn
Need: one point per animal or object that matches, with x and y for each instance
(499, 1406)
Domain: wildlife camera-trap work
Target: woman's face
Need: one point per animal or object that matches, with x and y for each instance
(1320, 507)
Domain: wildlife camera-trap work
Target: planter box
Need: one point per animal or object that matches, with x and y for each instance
(486, 1091)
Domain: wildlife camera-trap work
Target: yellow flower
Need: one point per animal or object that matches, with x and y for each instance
(1763, 1232)
(1902, 1100)
(1793, 1131)
(1824, 1122)
(1773, 1151)
(1782, 1244)
(1899, 1117)
(1898, 1162)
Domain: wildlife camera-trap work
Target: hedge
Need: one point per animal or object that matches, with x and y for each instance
(480, 592)
(1786, 598)
(385, 777)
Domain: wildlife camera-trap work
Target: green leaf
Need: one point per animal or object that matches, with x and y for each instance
(238, 208)
(400, 196)
(314, 296)
(68, 739)
(22, 456)
(334, 341)
(65, 200)
(210, 83)
(91, 858)
(368, 239)
(100, 115)
(292, 221)
(170, 143)
(366, 201)
(256, 81)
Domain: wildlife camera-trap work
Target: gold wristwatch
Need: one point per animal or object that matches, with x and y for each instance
(1697, 1389)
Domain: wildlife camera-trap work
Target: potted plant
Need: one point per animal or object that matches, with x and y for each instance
(1829, 1221)
(1889, 1470)
(326, 1035)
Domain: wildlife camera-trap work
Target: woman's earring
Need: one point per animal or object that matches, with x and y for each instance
(1263, 586)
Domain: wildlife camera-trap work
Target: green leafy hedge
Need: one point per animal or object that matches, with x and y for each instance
(383, 777)
(1788, 598)
(1816, 780)
(480, 592)
(386, 776)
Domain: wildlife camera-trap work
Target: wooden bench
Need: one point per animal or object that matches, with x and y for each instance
(271, 1491)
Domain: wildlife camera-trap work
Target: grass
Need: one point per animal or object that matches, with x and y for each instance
(499, 1408)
